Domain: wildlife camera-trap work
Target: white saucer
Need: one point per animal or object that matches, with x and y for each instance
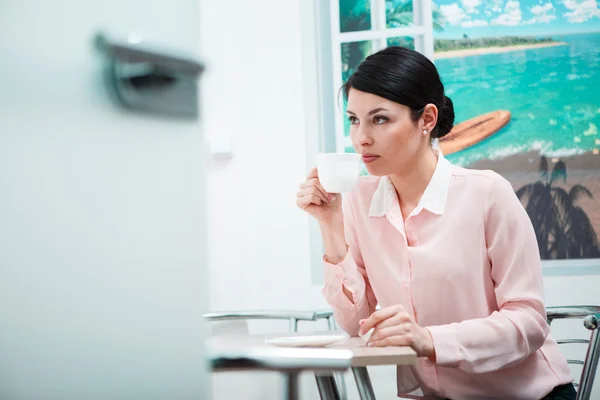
(305, 341)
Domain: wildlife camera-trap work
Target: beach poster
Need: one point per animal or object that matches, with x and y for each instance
(524, 77)
(525, 80)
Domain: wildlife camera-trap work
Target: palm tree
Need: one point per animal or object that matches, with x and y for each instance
(400, 13)
(355, 15)
(353, 53)
(562, 228)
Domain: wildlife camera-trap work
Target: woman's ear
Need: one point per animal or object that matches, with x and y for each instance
(429, 117)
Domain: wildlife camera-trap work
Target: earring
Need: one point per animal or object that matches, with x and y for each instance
(424, 132)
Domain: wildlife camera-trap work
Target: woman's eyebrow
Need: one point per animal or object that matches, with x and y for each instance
(373, 111)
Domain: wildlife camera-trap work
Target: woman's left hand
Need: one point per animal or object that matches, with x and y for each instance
(393, 326)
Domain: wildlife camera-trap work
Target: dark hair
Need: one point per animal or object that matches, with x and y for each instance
(406, 77)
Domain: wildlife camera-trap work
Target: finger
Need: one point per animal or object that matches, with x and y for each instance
(315, 182)
(313, 190)
(372, 321)
(382, 333)
(397, 340)
(314, 173)
(305, 201)
(396, 319)
(379, 316)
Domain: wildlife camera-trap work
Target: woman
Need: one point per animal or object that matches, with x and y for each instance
(448, 253)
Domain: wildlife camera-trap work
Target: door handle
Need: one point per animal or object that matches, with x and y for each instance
(145, 78)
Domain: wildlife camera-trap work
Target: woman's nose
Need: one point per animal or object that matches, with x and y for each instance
(363, 137)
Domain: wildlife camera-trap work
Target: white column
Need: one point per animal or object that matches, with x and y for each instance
(426, 20)
(336, 63)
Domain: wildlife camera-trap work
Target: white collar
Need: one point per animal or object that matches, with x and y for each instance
(433, 199)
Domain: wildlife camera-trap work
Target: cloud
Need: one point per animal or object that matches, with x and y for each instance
(453, 13)
(458, 16)
(540, 20)
(494, 6)
(581, 10)
(542, 13)
(512, 14)
(473, 23)
(542, 8)
(470, 6)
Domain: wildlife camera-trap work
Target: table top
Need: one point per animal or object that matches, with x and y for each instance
(361, 355)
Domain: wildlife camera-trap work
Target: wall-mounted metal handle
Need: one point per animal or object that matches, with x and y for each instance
(150, 79)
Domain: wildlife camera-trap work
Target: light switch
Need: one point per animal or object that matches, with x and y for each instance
(220, 145)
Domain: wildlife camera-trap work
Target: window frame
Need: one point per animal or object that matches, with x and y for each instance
(421, 31)
(322, 65)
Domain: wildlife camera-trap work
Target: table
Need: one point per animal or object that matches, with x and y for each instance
(349, 353)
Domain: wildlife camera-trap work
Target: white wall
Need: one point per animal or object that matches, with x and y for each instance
(254, 92)
(261, 89)
(102, 244)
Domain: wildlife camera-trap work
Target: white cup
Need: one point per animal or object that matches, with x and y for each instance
(338, 172)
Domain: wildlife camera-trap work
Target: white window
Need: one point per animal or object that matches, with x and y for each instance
(358, 28)
(492, 39)
(345, 33)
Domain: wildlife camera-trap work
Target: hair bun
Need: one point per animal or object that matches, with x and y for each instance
(445, 120)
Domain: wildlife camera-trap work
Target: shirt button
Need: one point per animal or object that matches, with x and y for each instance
(409, 222)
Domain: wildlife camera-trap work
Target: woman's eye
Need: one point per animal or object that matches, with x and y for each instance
(379, 120)
(353, 120)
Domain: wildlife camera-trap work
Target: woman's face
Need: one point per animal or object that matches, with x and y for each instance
(384, 133)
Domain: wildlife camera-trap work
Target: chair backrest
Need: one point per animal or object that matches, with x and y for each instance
(294, 317)
(591, 318)
(229, 327)
(222, 320)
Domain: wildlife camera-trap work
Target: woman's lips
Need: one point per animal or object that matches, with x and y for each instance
(369, 158)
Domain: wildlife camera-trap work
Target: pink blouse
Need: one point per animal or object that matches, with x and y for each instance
(466, 265)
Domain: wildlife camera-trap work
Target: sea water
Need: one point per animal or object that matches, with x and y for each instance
(553, 94)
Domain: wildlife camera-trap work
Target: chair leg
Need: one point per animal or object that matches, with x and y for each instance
(588, 374)
(341, 385)
(339, 377)
(327, 387)
(331, 323)
(290, 386)
(363, 383)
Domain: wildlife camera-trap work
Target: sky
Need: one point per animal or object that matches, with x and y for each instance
(485, 18)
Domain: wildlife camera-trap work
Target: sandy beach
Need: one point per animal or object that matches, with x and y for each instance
(583, 169)
(492, 50)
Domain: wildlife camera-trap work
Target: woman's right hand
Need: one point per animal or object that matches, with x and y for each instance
(312, 198)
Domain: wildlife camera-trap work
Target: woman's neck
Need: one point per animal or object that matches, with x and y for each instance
(410, 184)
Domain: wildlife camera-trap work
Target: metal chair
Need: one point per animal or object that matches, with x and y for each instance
(591, 318)
(591, 321)
(294, 317)
(289, 362)
(327, 387)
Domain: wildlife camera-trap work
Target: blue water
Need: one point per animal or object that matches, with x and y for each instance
(552, 93)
